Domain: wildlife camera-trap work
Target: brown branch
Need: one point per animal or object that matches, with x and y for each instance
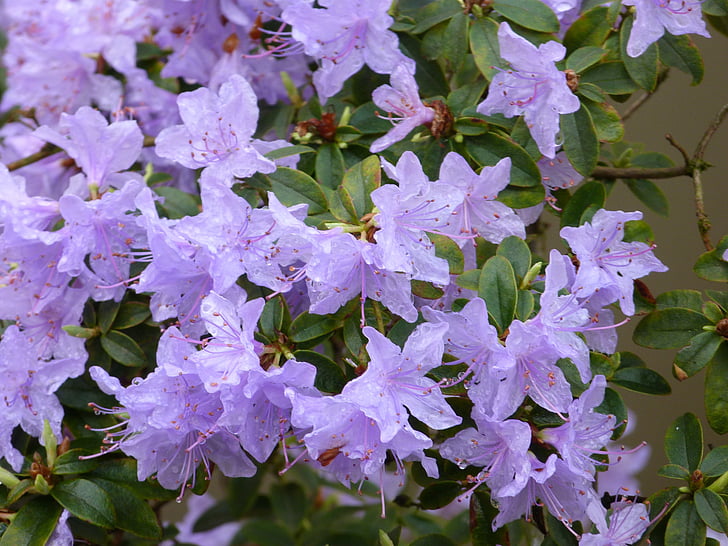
(46, 151)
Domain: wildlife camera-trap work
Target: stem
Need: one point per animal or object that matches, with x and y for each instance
(378, 316)
(46, 151)
(613, 173)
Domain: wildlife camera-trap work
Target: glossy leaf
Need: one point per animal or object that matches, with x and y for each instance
(580, 140)
(177, 203)
(329, 376)
(449, 250)
(87, 501)
(497, 286)
(329, 165)
(711, 267)
(685, 528)
(669, 328)
(607, 122)
(698, 353)
(642, 69)
(715, 462)
(293, 187)
(684, 442)
(590, 29)
(439, 494)
(674, 471)
(490, 148)
(642, 380)
(612, 77)
(360, 181)
(123, 349)
(681, 52)
(515, 250)
(716, 390)
(584, 57)
(131, 314)
(69, 463)
(589, 194)
(484, 45)
(686, 299)
(531, 14)
(133, 514)
(712, 510)
(33, 524)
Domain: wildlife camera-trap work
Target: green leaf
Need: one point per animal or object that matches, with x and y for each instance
(449, 250)
(525, 305)
(178, 204)
(687, 299)
(439, 494)
(580, 140)
(591, 92)
(329, 376)
(434, 539)
(712, 510)
(107, 314)
(365, 119)
(433, 13)
(642, 69)
(87, 501)
(681, 52)
(426, 290)
(642, 380)
(712, 312)
(33, 524)
(613, 404)
(718, 23)
(482, 514)
(715, 462)
(669, 328)
(715, 7)
(465, 96)
(588, 195)
(484, 45)
(133, 514)
(684, 442)
(716, 390)
(521, 198)
(685, 528)
(123, 349)
(650, 194)
(531, 14)
(469, 279)
(20, 489)
(289, 504)
(294, 187)
(584, 57)
(275, 318)
(80, 331)
(674, 471)
(288, 151)
(308, 326)
(607, 122)
(611, 77)
(698, 354)
(330, 165)
(497, 286)
(719, 297)
(124, 471)
(489, 149)
(131, 314)
(263, 533)
(69, 463)
(360, 181)
(591, 29)
(711, 267)
(455, 45)
(515, 250)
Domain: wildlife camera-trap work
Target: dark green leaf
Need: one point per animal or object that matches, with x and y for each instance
(674, 471)
(329, 376)
(591, 92)
(607, 123)
(69, 463)
(716, 390)
(719, 297)
(490, 148)
(589, 194)
(715, 7)
(580, 140)
(497, 286)
(124, 471)
(455, 45)
(360, 181)
(669, 328)
(275, 318)
(330, 165)
(439, 494)
(558, 532)
(712, 510)
(525, 305)
(685, 528)
(695, 357)
(680, 52)
(465, 96)
(33, 524)
(469, 279)
(288, 151)
(712, 312)
(642, 380)
(515, 250)
(294, 187)
(434, 539)
(611, 77)
(482, 514)
(20, 489)
(366, 120)
(433, 13)
(642, 69)
(591, 29)
(718, 23)
(216, 515)
(613, 404)
(531, 14)
(584, 57)
(178, 204)
(521, 198)
(711, 267)
(449, 250)
(87, 501)
(715, 462)
(123, 349)
(107, 314)
(684, 442)
(308, 326)
(133, 514)
(289, 504)
(130, 314)
(686, 299)
(263, 532)
(485, 47)
(650, 194)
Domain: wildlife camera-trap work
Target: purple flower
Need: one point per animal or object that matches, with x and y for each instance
(534, 88)
(217, 133)
(395, 379)
(406, 213)
(627, 522)
(344, 36)
(606, 263)
(403, 100)
(654, 17)
(480, 214)
(99, 148)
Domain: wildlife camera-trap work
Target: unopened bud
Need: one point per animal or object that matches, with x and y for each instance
(722, 327)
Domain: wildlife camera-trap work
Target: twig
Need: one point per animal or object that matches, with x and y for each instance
(635, 106)
(613, 173)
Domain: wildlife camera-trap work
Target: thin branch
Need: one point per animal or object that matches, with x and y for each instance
(613, 173)
(679, 148)
(46, 151)
(632, 108)
(709, 132)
